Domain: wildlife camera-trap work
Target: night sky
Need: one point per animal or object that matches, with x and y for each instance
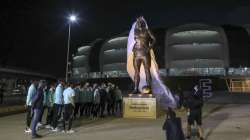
(34, 32)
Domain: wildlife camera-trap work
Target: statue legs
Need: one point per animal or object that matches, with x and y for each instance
(147, 63)
(137, 61)
(137, 64)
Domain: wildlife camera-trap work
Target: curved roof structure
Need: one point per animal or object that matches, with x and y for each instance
(196, 46)
(113, 54)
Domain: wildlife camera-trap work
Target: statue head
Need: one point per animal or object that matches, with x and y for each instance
(140, 23)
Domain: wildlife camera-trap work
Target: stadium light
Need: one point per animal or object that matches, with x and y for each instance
(72, 18)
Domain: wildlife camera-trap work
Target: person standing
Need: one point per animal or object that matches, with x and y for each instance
(37, 106)
(194, 112)
(45, 105)
(109, 99)
(89, 100)
(112, 94)
(77, 100)
(49, 103)
(29, 112)
(58, 104)
(83, 100)
(69, 104)
(181, 97)
(96, 100)
(118, 100)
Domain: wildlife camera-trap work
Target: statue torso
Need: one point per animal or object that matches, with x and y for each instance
(142, 40)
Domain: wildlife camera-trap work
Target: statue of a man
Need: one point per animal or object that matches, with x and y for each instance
(144, 41)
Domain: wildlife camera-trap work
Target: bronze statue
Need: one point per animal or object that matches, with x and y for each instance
(144, 41)
(142, 66)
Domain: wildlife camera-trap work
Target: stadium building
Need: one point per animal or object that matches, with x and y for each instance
(183, 53)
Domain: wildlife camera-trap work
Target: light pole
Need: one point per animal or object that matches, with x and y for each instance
(71, 19)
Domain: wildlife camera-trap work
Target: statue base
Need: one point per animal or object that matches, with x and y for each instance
(141, 106)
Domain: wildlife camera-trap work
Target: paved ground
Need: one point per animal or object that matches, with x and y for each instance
(11, 128)
(229, 123)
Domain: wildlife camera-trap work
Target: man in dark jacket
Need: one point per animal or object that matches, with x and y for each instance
(37, 106)
(194, 111)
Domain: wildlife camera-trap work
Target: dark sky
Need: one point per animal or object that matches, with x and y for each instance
(34, 32)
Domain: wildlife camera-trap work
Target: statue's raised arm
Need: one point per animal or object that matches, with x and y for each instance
(153, 40)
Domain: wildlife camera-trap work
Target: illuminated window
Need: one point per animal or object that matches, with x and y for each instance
(117, 39)
(83, 48)
(195, 33)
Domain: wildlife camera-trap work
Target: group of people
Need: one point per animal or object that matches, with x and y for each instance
(98, 100)
(66, 102)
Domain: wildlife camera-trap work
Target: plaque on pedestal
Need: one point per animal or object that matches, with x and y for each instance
(140, 106)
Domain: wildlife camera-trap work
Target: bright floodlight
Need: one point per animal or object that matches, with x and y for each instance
(72, 18)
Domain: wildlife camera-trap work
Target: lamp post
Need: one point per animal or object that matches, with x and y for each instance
(72, 19)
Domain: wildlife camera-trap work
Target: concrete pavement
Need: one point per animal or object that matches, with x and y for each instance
(228, 123)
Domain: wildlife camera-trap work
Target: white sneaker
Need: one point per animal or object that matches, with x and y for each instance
(37, 128)
(27, 130)
(48, 126)
(39, 124)
(54, 129)
(70, 131)
(63, 131)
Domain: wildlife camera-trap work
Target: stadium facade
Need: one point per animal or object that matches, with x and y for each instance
(185, 51)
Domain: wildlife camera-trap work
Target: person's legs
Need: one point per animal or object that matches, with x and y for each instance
(76, 110)
(88, 108)
(49, 116)
(92, 108)
(112, 108)
(55, 115)
(95, 110)
(79, 108)
(37, 113)
(189, 124)
(98, 110)
(189, 131)
(1, 98)
(70, 116)
(65, 116)
(200, 131)
(28, 116)
(120, 106)
(83, 109)
(109, 107)
(60, 112)
(116, 106)
(102, 108)
(199, 123)
(41, 116)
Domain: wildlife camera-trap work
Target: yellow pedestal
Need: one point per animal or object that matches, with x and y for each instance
(136, 107)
